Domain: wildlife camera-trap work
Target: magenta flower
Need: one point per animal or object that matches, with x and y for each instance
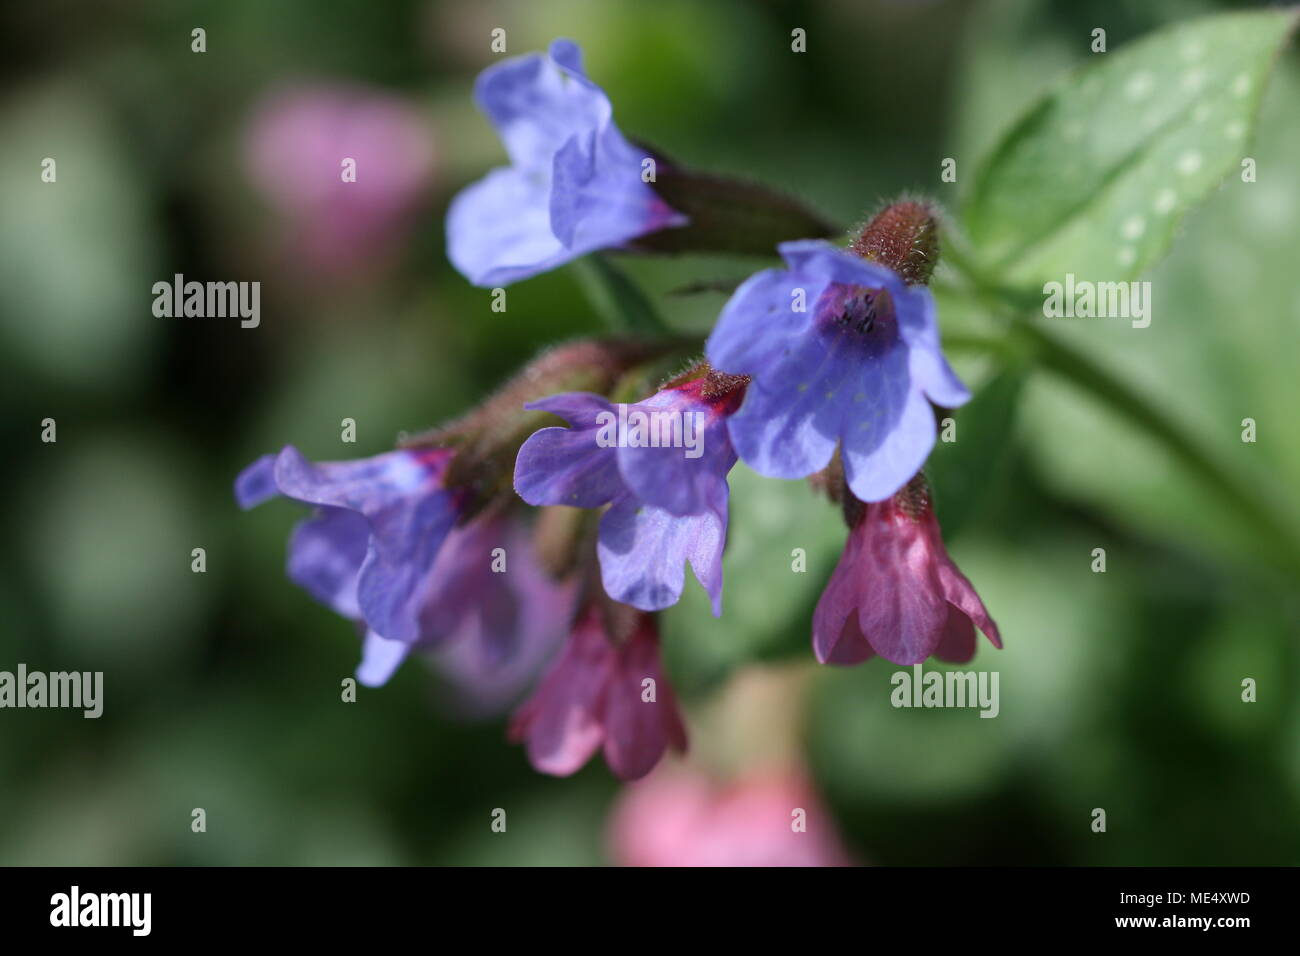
(661, 465)
(896, 592)
(682, 818)
(573, 184)
(842, 351)
(296, 147)
(605, 692)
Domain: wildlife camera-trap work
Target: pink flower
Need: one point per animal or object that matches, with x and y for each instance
(681, 818)
(896, 592)
(597, 695)
(297, 147)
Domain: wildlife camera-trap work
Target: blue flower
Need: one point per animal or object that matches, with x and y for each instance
(379, 524)
(492, 617)
(573, 184)
(842, 351)
(383, 548)
(667, 501)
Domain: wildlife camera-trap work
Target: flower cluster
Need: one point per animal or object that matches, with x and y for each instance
(828, 368)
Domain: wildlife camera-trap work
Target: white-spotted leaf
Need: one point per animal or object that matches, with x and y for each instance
(1095, 177)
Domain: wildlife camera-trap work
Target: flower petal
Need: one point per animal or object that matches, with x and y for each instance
(837, 639)
(537, 102)
(560, 724)
(637, 731)
(929, 369)
(692, 454)
(499, 229)
(887, 445)
(759, 322)
(408, 512)
(579, 409)
(957, 645)
(643, 552)
(326, 552)
(850, 647)
(823, 261)
(794, 412)
(487, 668)
(958, 590)
(462, 587)
(256, 483)
(380, 659)
(901, 608)
(598, 199)
(366, 485)
(566, 466)
(405, 540)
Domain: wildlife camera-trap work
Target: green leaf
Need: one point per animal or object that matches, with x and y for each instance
(1094, 179)
(618, 300)
(965, 474)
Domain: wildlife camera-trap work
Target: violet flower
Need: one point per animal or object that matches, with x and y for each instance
(379, 524)
(494, 619)
(573, 184)
(842, 351)
(383, 548)
(667, 502)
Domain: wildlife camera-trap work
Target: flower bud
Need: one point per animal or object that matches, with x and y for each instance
(903, 236)
(725, 214)
(720, 390)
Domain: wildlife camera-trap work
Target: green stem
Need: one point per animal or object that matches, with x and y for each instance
(1004, 347)
(618, 300)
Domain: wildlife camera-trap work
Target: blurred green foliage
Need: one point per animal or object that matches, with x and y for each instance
(1119, 690)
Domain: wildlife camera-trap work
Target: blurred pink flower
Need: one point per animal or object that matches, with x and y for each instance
(682, 818)
(295, 149)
